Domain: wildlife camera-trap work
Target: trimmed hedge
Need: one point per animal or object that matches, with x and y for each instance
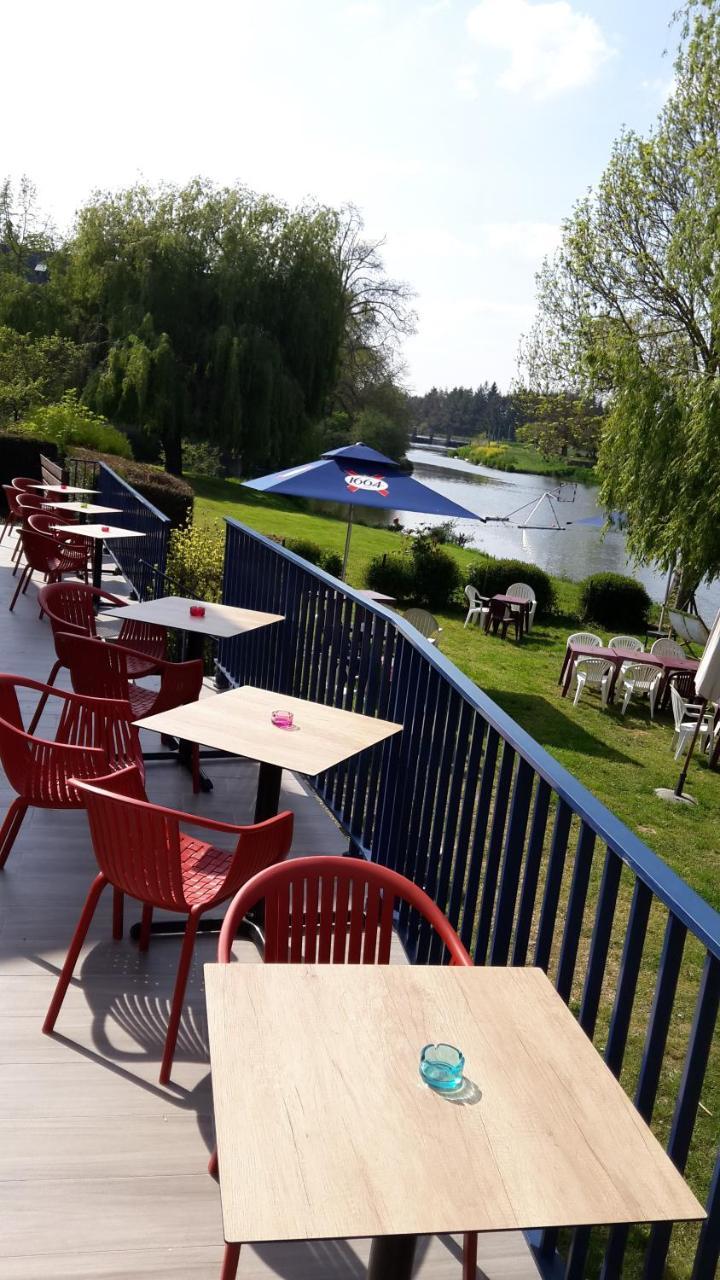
(20, 456)
(313, 552)
(393, 575)
(436, 573)
(616, 601)
(493, 577)
(171, 495)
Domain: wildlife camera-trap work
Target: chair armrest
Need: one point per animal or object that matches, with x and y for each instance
(180, 683)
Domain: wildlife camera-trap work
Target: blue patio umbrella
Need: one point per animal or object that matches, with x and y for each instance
(359, 477)
(615, 519)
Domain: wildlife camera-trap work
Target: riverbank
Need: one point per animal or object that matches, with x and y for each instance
(525, 459)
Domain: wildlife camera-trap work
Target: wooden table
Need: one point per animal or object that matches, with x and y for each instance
(668, 665)
(220, 620)
(239, 722)
(100, 533)
(325, 1129)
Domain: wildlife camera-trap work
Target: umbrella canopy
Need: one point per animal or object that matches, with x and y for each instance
(615, 519)
(360, 477)
(707, 676)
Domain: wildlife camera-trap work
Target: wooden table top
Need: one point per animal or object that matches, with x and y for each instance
(326, 1130)
(239, 722)
(174, 611)
(104, 531)
(62, 488)
(89, 508)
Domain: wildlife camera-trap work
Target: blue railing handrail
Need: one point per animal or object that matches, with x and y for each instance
(140, 497)
(682, 900)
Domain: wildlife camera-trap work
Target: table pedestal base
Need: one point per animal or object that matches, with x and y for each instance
(392, 1258)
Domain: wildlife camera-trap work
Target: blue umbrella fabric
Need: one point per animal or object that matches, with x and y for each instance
(360, 477)
(615, 519)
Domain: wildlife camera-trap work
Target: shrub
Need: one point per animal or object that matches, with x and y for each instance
(436, 575)
(20, 456)
(392, 574)
(493, 577)
(615, 601)
(68, 423)
(305, 547)
(171, 495)
(332, 563)
(202, 459)
(195, 561)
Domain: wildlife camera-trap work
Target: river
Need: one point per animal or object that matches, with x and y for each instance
(574, 552)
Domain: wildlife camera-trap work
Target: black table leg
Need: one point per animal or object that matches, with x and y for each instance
(97, 562)
(193, 647)
(392, 1258)
(268, 792)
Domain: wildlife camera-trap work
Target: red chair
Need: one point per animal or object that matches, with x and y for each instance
(70, 608)
(102, 671)
(42, 555)
(25, 483)
(75, 549)
(93, 736)
(141, 850)
(331, 910)
(14, 514)
(28, 504)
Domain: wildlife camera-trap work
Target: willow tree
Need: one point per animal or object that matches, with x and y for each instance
(629, 310)
(211, 313)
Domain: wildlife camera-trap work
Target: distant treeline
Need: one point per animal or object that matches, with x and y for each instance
(464, 412)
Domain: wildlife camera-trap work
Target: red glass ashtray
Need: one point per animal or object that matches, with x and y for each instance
(197, 610)
(63, 486)
(105, 528)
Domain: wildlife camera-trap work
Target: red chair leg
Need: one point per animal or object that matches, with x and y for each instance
(470, 1255)
(41, 704)
(118, 914)
(22, 583)
(28, 579)
(179, 995)
(231, 1258)
(213, 1166)
(147, 915)
(5, 528)
(10, 828)
(83, 925)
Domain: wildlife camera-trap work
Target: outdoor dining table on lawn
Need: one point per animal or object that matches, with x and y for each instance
(337, 1136)
(100, 533)
(523, 605)
(665, 663)
(240, 722)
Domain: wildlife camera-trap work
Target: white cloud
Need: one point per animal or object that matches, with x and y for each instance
(522, 241)
(552, 47)
(660, 87)
(466, 83)
(528, 240)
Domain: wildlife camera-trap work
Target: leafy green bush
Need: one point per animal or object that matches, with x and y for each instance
(493, 577)
(392, 574)
(20, 456)
(305, 547)
(614, 600)
(202, 459)
(68, 423)
(171, 495)
(436, 574)
(195, 561)
(332, 563)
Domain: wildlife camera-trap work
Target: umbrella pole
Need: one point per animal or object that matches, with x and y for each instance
(348, 535)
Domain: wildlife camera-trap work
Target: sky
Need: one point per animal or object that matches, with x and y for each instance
(464, 132)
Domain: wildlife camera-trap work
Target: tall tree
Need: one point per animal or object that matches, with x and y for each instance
(629, 309)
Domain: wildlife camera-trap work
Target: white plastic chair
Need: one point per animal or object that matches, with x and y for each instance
(522, 591)
(685, 715)
(596, 673)
(584, 637)
(626, 642)
(665, 648)
(640, 677)
(424, 622)
(478, 604)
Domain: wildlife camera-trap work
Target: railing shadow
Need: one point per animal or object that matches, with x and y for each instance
(550, 726)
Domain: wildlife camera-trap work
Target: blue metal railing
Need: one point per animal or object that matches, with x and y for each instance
(142, 560)
(526, 863)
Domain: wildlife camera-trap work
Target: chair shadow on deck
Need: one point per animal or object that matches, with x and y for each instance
(550, 727)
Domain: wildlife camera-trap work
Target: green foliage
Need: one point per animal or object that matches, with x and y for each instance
(557, 423)
(314, 554)
(436, 573)
(393, 575)
(493, 577)
(630, 310)
(20, 455)
(201, 458)
(614, 600)
(34, 371)
(332, 563)
(195, 560)
(461, 411)
(70, 423)
(171, 495)
(380, 432)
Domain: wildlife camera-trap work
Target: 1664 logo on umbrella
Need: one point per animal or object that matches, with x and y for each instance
(370, 484)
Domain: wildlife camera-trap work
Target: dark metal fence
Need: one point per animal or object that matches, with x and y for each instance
(142, 560)
(527, 864)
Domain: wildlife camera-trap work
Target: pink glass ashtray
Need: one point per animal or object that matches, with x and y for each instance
(282, 719)
(105, 528)
(63, 486)
(197, 610)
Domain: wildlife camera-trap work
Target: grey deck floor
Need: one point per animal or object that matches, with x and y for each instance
(103, 1171)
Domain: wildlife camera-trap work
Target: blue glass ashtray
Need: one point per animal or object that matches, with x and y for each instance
(441, 1067)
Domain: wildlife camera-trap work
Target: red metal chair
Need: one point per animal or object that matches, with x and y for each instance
(70, 608)
(25, 482)
(102, 671)
(28, 504)
(93, 737)
(42, 555)
(14, 514)
(142, 851)
(77, 550)
(329, 910)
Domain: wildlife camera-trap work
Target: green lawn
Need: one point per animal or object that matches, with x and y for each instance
(620, 759)
(526, 458)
